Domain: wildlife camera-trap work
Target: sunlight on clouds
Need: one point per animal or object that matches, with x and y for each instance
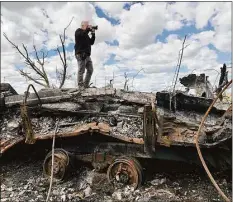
(113, 9)
(41, 23)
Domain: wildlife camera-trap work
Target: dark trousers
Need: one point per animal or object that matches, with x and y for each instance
(82, 65)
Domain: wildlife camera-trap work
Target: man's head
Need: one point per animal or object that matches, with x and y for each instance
(84, 25)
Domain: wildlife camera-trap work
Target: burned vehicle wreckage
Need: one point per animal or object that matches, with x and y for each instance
(113, 129)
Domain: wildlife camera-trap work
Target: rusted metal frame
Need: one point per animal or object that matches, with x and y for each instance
(228, 112)
(99, 157)
(161, 139)
(4, 142)
(156, 125)
(95, 157)
(96, 113)
(26, 95)
(148, 128)
(128, 139)
(10, 143)
(160, 130)
(100, 161)
(91, 128)
(198, 148)
(108, 148)
(27, 125)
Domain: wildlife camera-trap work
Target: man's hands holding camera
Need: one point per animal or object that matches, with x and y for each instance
(90, 29)
(87, 27)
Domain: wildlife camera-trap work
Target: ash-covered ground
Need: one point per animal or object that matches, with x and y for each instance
(22, 180)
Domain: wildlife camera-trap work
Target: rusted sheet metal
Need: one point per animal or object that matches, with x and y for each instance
(101, 128)
(7, 144)
(179, 136)
(3, 142)
(182, 136)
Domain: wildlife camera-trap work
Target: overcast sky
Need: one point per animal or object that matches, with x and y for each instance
(131, 36)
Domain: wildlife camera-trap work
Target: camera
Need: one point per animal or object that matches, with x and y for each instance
(95, 27)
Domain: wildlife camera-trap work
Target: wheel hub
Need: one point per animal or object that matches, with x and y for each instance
(122, 178)
(125, 171)
(60, 164)
(56, 167)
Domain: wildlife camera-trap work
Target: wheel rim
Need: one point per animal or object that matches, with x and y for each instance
(61, 162)
(139, 168)
(123, 172)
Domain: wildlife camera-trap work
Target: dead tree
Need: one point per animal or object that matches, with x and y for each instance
(177, 70)
(136, 75)
(38, 68)
(62, 74)
(126, 86)
(42, 78)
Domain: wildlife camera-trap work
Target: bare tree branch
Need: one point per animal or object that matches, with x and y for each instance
(40, 70)
(31, 78)
(137, 74)
(14, 46)
(37, 57)
(66, 29)
(63, 59)
(42, 74)
(31, 64)
(59, 52)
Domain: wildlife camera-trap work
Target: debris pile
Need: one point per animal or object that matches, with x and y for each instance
(121, 111)
(116, 114)
(22, 181)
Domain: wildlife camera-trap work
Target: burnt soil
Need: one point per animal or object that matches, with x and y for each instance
(22, 180)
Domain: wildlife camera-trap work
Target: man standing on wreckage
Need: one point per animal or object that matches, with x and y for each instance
(83, 43)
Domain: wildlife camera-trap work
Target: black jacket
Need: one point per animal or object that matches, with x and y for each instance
(83, 42)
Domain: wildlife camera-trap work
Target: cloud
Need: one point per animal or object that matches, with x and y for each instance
(111, 9)
(183, 11)
(106, 31)
(204, 12)
(173, 25)
(41, 23)
(139, 32)
(222, 26)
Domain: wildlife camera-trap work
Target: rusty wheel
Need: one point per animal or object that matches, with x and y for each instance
(124, 171)
(139, 168)
(60, 165)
